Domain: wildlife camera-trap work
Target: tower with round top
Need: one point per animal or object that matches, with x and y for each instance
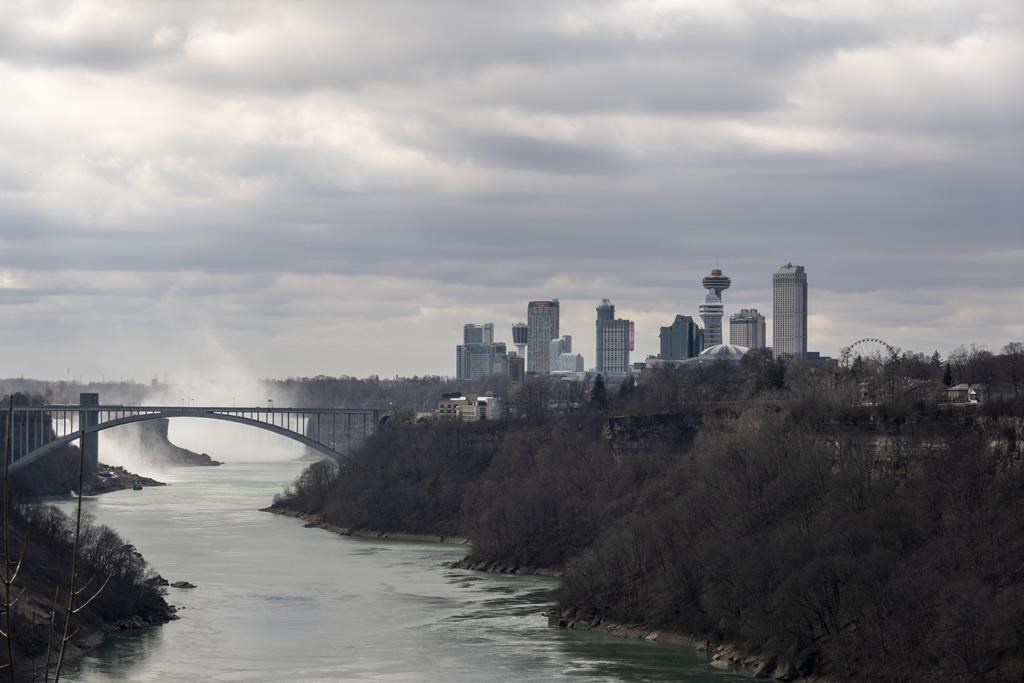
(712, 310)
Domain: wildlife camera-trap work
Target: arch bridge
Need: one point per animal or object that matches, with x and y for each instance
(40, 430)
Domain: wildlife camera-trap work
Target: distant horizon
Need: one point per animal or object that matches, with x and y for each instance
(170, 381)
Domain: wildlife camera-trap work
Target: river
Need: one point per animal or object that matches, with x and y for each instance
(278, 602)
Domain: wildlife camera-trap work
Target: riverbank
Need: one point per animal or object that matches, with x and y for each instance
(725, 657)
(92, 638)
(722, 656)
(505, 568)
(276, 602)
(313, 521)
(128, 598)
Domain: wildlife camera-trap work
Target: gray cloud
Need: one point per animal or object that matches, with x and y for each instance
(357, 179)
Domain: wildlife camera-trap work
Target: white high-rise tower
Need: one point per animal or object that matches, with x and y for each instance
(712, 310)
(542, 327)
(789, 312)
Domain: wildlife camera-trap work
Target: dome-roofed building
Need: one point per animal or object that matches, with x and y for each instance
(719, 353)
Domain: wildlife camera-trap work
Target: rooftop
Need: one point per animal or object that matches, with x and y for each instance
(789, 268)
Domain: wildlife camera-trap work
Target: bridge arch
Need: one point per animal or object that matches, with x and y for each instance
(236, 416)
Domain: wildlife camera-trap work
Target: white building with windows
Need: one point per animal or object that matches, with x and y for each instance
(614, 340)
(541, 328)
(789, 312)
(747, 328)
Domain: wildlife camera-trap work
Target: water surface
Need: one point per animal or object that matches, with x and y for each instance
(277, 602)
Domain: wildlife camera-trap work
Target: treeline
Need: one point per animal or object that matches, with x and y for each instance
(46, 556)
(404, 393)
(127, 592)
(793, 544)
(759, 504)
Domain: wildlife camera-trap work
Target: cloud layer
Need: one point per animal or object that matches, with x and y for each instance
(337, 187)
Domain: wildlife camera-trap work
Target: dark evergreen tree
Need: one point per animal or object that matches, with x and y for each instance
(599, 394)
(857, 369)
(947, 376)
(775, 374)
(626, 388)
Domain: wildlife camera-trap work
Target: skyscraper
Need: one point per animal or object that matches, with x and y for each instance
(516, 368)
(613, 340)
(789, 311)
(681, 340)
(478, 355)
(747, 328)
(542, 327)
(475, 361)
(712, 310)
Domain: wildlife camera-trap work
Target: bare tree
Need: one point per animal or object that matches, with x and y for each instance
(74, 591)
(8, 576)
(1014, 353)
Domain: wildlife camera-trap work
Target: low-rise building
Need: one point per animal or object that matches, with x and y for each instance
(567, 362)
(469, 408)
(966, 393)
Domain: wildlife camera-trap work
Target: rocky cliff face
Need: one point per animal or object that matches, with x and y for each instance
(637, 435)
(150, 442)
(892, 447)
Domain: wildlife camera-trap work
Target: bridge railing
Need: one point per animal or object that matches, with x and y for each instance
(333, 430)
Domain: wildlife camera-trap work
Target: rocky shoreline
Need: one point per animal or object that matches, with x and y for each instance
(501, 568)
(92, 638)
(723, 656)
(115, 478)
(316, 522)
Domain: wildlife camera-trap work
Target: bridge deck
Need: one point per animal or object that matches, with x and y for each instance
(38, 430)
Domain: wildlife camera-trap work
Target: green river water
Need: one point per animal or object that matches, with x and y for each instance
(278, 602)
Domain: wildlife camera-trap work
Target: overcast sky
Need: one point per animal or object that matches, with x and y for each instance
(302, 188)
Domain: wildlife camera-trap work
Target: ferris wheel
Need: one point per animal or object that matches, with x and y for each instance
(867, 348)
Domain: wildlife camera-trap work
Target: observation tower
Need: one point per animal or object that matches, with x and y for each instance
(712, 310)
(519, 338)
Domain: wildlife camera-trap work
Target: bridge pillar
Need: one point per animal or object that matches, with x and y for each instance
(91, 442)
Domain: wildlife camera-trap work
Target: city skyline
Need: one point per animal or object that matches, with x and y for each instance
(747, 328)
(275, 190)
